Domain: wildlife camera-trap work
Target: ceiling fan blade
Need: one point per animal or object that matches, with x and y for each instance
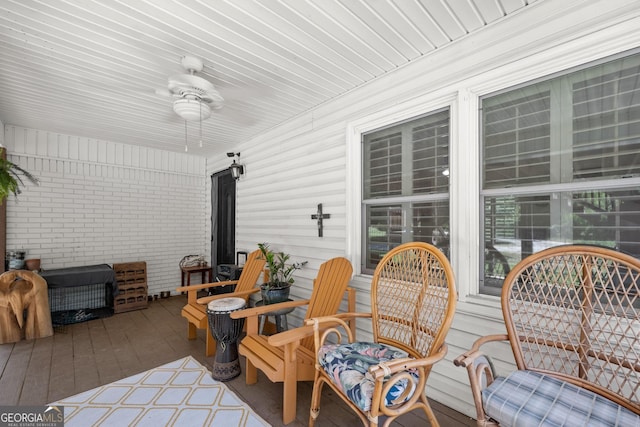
(236, 115)
(163, 92)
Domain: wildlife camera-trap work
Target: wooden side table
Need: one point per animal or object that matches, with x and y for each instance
(279, 315)
(204, 270)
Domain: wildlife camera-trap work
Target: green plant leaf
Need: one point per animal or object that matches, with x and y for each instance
(11, 178)
(279, 270)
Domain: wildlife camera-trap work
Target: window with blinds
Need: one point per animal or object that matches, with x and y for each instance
(561, 164)
(405, 184)
(517, 133)
(606, 125)
(385, 166)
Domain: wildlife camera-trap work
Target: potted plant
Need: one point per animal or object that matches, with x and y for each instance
(10, 179)
(276, 288)
(10, 182)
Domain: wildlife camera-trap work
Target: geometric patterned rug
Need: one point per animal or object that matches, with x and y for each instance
(180, 393)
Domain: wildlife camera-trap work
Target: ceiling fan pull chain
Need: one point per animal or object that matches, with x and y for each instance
(200, 103)
(186, 147)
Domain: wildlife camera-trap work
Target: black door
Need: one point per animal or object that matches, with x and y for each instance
(223, 219)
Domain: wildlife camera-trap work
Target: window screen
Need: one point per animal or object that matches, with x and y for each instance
(561, 164)
(405, 184)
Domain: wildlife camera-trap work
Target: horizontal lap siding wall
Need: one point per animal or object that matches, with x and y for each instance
(104, 202)
(306, 161)
(281, 190)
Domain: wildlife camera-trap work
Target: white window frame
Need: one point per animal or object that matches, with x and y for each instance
(580, 51)
(383, 118)
(561, 151)
(462, 97)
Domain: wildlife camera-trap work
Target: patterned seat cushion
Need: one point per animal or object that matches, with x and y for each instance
(526, 398)
(348, 367)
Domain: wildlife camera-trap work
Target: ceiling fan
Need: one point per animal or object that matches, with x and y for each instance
(196, 97)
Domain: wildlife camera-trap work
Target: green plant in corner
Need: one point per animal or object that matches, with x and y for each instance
(11, 179)
(280, 273)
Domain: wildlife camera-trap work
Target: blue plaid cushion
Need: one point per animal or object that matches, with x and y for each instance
(348, 367)
(526, 398)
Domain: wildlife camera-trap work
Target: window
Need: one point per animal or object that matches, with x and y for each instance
(561, 164)
(405, 185)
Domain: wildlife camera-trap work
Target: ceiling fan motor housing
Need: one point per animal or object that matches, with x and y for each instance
(191, 64)
(196, 96)
(191, 109)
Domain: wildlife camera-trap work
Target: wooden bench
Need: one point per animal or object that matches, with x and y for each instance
(572, 315)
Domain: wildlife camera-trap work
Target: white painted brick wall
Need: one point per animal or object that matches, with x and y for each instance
(106, 205)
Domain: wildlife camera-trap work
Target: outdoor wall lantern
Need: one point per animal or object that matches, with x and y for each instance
(236, 169)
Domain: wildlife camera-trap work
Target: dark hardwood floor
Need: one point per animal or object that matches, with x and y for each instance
(86, 355)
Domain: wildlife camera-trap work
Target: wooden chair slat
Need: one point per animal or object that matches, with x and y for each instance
(195, 311)
(294, 361)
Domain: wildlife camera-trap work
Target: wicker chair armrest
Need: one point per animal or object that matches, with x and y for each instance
(381, 370)
(243, 294)
(480, 370)
(387, 374)
(325, 326)
(468, 357)
(205, 286)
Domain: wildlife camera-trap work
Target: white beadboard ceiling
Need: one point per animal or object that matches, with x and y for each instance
(91, 68)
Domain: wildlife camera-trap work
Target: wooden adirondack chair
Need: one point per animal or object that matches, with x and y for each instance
(196, 309)
(288, 356)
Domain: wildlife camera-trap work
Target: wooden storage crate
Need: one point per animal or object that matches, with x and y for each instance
(131, 278)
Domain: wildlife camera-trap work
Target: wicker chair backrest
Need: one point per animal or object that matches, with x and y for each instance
(573, 311)
(413, 298)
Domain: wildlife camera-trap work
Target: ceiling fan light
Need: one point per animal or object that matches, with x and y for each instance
(191, 109)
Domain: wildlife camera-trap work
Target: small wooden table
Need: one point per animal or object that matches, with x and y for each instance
(204, 270)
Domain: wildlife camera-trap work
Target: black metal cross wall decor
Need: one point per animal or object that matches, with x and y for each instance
(320, 216)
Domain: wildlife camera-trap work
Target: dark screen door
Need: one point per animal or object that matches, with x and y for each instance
(223, 219)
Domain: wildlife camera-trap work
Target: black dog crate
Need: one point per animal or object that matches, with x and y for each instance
(78, 294)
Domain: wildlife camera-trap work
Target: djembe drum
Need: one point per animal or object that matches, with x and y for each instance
(226, 332)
